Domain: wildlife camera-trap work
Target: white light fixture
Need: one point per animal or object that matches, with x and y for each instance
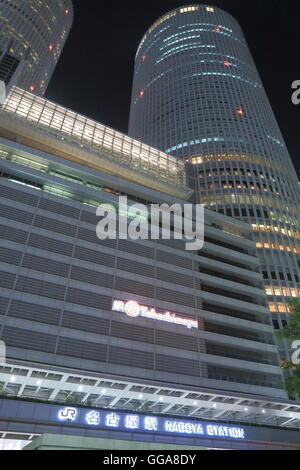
(39, 382)
(13, 378)
(141, 396)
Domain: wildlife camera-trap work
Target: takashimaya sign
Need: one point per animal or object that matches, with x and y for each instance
(134, 309)
(142, 423)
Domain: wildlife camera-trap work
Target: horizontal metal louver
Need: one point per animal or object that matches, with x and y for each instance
(12, 213)
(49, 244)
(91, 277)
(95, 257)
(135, 267)
(41, 288)
(18, 196)
(173, 340)
(55, 226)
(3, 305)
(89, 299)
(136, 248)
(82, 349)
(240, 376)
(77, 321)
(238, 333)
(173, 259)
(90, 218)
(176, 297)
(175, 244)
(10, 256)
(46, 265)
(131, 357)
(34, 312)
(89, 236)
(175, 277)
(177, 365)
(132, 332)
(240, 354)
(28, 339)
(134, 287)
(13, 234)
(7, 280)
(59, 208)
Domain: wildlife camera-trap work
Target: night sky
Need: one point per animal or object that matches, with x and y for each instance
(94, 74)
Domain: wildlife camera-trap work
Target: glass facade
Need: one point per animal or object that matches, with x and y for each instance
(33, 33)
(204, 103)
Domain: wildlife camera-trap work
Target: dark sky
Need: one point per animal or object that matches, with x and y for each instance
(94, 74)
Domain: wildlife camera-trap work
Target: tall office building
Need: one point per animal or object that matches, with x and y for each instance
(32, 36)
(155, 341)
(122, 339)
(198, 96)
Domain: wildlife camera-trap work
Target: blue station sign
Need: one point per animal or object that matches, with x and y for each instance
(113, 420)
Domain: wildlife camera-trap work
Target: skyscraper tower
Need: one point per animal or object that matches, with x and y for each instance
(32, 36)
(198, 96)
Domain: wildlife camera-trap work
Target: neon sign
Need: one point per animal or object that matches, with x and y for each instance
(142, 423)
(67, 414)
(134, 309)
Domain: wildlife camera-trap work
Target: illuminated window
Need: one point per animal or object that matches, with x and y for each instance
(210, 9)
(269, 290)
(282, 308)
(185, 10)
(272, 307)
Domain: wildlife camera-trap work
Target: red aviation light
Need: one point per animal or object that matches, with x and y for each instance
(50, 47)
(226, 63)
(67, 11)
(144, 58)
(240, 111)
(142, 93)
(32, 88)
(217, 29)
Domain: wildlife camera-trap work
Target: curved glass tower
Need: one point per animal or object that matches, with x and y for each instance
(197, 95)
(32, 37)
